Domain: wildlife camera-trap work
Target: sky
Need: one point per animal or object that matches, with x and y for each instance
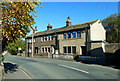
(56, 13)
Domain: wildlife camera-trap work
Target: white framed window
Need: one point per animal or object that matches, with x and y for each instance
(29, 50)
(34, 39)
(29, 40)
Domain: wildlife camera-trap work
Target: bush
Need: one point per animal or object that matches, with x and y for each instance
(2, 58)
(13, 47)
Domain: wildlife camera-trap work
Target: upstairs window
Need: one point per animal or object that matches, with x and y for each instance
(65, 35)
(34, 39)
(48, 37)
(69, 34)
(78, 34)
(45, 38)
(74, 34)
(51, 37)
(29, 40)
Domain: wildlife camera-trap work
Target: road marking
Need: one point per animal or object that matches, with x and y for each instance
(73, 68)
(46, 62)
(25, 72)
(20, 69)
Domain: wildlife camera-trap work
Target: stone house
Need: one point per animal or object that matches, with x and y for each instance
(78, 39)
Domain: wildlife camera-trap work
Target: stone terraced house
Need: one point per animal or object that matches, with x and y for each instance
(80, 39)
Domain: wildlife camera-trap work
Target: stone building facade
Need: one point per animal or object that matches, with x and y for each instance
(76, 39)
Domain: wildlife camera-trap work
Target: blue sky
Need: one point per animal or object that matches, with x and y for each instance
(56, 13)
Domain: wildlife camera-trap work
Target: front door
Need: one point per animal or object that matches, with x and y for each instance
(83, 50)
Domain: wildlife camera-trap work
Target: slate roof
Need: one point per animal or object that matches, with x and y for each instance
(65, 28)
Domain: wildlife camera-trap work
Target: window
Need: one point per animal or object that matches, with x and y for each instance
(74, 49)
(74, 34)
(51, 37)
(48, 37)
(36, 50)
(49, 50)
(45, 50)
(45, 38)
(69, 34)
(29, 50)
(69, 49)
(78, 34)
(42, 50)
(34, 39)
(29, 40)
(65, 35)
(64, 49)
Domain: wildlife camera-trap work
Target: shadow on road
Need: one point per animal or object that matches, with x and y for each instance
(10, 68)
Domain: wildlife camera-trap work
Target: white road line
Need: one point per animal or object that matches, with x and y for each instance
(46, 62)
(25, 72)
(73, 68)
(20, 69)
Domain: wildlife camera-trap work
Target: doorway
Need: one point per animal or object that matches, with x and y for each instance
(36, 50)
(83, 50)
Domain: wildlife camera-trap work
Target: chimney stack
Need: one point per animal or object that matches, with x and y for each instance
(49, 27)
(68, 22)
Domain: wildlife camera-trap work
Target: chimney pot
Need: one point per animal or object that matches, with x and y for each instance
(68, 22)
(49, 27)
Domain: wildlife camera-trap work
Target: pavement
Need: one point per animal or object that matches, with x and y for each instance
(43, 68)
(0, 72)
(14, 71)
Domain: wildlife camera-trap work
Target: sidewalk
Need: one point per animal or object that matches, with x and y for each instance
(13, 71)
(0, 72)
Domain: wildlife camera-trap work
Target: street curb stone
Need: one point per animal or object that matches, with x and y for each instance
(1, 71)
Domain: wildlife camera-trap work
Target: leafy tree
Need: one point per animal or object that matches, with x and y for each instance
(17, 19)
(111, 24)
(13, 47)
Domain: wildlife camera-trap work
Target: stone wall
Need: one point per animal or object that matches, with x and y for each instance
(96, 49)
(111, 47)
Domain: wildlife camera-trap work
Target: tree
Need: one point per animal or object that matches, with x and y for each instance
(17, 19)
(111, 24)
(13, 47)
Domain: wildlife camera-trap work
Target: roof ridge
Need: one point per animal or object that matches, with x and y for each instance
(67, 26)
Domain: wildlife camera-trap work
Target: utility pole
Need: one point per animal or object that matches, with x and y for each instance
(33, 43)
(34, 31)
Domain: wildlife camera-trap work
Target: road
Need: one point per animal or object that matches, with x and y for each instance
(43, 68)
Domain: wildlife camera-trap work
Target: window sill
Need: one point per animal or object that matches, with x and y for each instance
(72, 38)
